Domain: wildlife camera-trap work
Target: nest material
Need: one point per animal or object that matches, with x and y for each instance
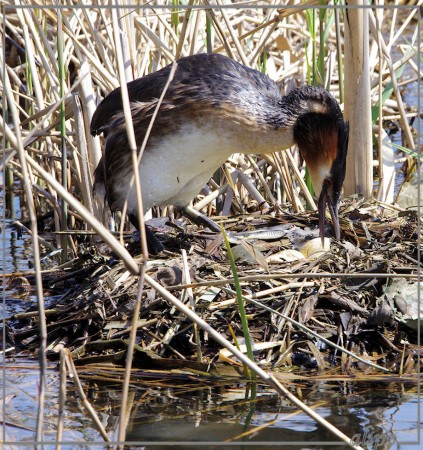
(93, 317)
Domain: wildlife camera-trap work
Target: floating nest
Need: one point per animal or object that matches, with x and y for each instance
(350, 295)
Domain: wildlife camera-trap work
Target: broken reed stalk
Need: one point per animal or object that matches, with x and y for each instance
(62, 398)
(122, 64)
(85, 178)
(339, 53)
(182, 35)
(359, 175)
(278, 276)
(63, 149)
(253, 430)
(123, 414)
(234, 37)
(36, 251)
(380, 191)
(77, 382)
(386, 53)
(187, 278)
(46, 244)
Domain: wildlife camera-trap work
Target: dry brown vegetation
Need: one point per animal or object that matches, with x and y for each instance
(59, 63)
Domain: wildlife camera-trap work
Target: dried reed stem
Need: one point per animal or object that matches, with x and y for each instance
(36, 252)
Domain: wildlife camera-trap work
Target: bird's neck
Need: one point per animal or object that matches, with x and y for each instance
(266, 140)
(275, 131)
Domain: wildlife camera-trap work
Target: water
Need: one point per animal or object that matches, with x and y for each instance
(224, 414)
(200, 416)
(17, 246)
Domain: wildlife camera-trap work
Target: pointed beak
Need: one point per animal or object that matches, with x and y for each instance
(325, 199)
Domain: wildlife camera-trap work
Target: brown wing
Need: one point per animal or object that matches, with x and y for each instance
(141, 90)
(205, 79)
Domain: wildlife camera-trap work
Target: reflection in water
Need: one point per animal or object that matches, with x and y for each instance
(382, 413)
(16, 255)
(367, 411)
(17, 248)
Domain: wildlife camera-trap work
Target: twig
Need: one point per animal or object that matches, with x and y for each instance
(62, 398)
(85, 402)
(187, 277)
(129, 357)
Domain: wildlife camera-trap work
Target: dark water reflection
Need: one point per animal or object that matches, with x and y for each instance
(366, 410)
(195, 417)
(16, 255)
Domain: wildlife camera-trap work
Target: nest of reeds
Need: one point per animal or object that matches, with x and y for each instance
(353, 308)
(56, 74)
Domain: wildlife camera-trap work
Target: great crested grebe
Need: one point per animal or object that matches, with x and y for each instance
(214, 107)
